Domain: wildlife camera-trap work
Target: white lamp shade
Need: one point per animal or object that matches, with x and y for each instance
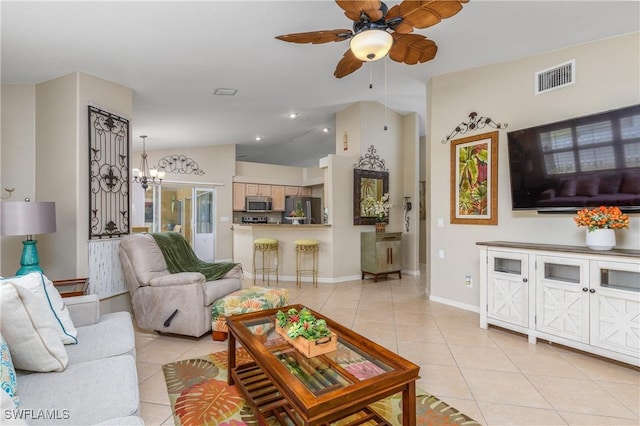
(27, 217)
(371, 45)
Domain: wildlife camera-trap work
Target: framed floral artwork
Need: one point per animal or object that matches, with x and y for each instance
(474, 180)
(367, 183)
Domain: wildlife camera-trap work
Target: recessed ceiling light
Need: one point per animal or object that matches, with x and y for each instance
(293, 115)
(326, 129)
(225, 92)
(258, 138)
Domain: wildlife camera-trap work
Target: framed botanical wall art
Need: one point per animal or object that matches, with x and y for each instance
(474, 180)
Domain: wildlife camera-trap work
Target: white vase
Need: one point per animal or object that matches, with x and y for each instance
(601, 239)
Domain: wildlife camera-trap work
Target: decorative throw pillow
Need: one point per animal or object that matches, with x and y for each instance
(588, 186)
(567, 188)
(30, 330)
(609, 183)
(631, 183)
(43, 288)
(8, 381)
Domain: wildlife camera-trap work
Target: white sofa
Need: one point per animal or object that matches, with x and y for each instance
(99, 384)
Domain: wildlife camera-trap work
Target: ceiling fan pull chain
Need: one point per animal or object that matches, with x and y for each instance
(370, 75)
(385, 93)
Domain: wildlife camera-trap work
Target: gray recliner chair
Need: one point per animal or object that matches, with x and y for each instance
(170, 303)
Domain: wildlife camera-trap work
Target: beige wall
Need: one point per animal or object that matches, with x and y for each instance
(364, 123)
(47, 136)
(218, 164)
(17, 153)
(277, 175)
(57, 169)
(607, 77)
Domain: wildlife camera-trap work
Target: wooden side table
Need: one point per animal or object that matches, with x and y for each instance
(72, 287)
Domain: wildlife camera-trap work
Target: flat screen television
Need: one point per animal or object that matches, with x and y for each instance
(573, 164)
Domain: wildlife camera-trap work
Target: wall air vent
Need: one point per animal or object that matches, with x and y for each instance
(556, 77)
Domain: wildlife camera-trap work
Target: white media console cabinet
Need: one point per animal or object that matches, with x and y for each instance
(574, 296)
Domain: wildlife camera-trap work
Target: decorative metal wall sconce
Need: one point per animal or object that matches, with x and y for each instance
(474, 123)
(179, 164)
(407, 206)
(8, 194)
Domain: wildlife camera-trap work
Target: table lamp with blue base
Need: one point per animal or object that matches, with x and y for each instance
(28, 218)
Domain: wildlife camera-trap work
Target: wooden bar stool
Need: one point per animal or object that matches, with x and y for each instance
(267, 247)
(303, 247)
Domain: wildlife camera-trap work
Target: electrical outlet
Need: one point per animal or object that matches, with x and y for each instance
(441, 253)
(468, 281)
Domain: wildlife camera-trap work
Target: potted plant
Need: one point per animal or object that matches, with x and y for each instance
(378, 209)
(296, 214)
(305, 332)
(601, 222)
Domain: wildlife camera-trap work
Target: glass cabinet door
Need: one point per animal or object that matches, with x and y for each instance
(615, 306)
(508, 288)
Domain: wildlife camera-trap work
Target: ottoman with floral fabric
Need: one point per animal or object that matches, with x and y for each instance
(251, 299)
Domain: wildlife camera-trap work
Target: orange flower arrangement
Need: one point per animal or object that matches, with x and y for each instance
(602, 218)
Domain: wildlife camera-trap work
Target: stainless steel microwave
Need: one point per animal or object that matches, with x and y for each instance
(258, 204)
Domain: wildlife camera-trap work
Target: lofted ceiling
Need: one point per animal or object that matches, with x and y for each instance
(173, 55)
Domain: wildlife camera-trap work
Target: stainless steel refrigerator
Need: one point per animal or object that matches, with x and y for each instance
(312, 207)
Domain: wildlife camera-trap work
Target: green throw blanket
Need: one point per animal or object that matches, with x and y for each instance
(180, 257)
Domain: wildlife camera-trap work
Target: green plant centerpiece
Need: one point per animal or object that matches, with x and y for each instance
(302, 324)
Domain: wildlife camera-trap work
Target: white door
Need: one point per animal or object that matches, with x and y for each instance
(204, 223)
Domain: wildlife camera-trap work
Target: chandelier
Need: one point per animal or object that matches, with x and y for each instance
(145, 176)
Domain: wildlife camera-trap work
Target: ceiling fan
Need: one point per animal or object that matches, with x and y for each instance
(378, 30)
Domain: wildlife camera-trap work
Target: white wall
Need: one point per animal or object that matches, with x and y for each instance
(607, 77)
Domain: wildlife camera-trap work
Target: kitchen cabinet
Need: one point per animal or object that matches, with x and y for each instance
(293, 191)
(297, 191)
(381, 254)
(305, 191)
(239, 196)
(574, 296)
(258, 189)
(277, 198)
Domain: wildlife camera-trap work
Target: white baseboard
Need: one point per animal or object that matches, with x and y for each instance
(455, 304)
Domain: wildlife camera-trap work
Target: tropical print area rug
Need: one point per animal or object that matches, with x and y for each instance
(199, 395)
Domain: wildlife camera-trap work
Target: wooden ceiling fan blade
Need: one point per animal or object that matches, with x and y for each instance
(412, 49)
(317, 37)
(348, 64)
(353, 8)
(423, 14)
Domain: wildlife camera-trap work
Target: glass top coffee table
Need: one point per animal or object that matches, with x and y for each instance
(284, 387)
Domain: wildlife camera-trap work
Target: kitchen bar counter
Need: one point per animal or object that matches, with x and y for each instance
(283, 225)
(286, 234)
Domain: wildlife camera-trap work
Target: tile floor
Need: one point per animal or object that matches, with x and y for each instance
(494, 376)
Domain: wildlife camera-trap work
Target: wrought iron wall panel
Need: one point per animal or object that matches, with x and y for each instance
(108, 174)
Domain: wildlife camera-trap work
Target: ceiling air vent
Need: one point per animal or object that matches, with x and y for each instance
(556, 77)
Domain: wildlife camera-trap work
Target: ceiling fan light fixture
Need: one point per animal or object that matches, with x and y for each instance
(371, 45)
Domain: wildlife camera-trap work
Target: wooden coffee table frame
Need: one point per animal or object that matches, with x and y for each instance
(272, 390)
